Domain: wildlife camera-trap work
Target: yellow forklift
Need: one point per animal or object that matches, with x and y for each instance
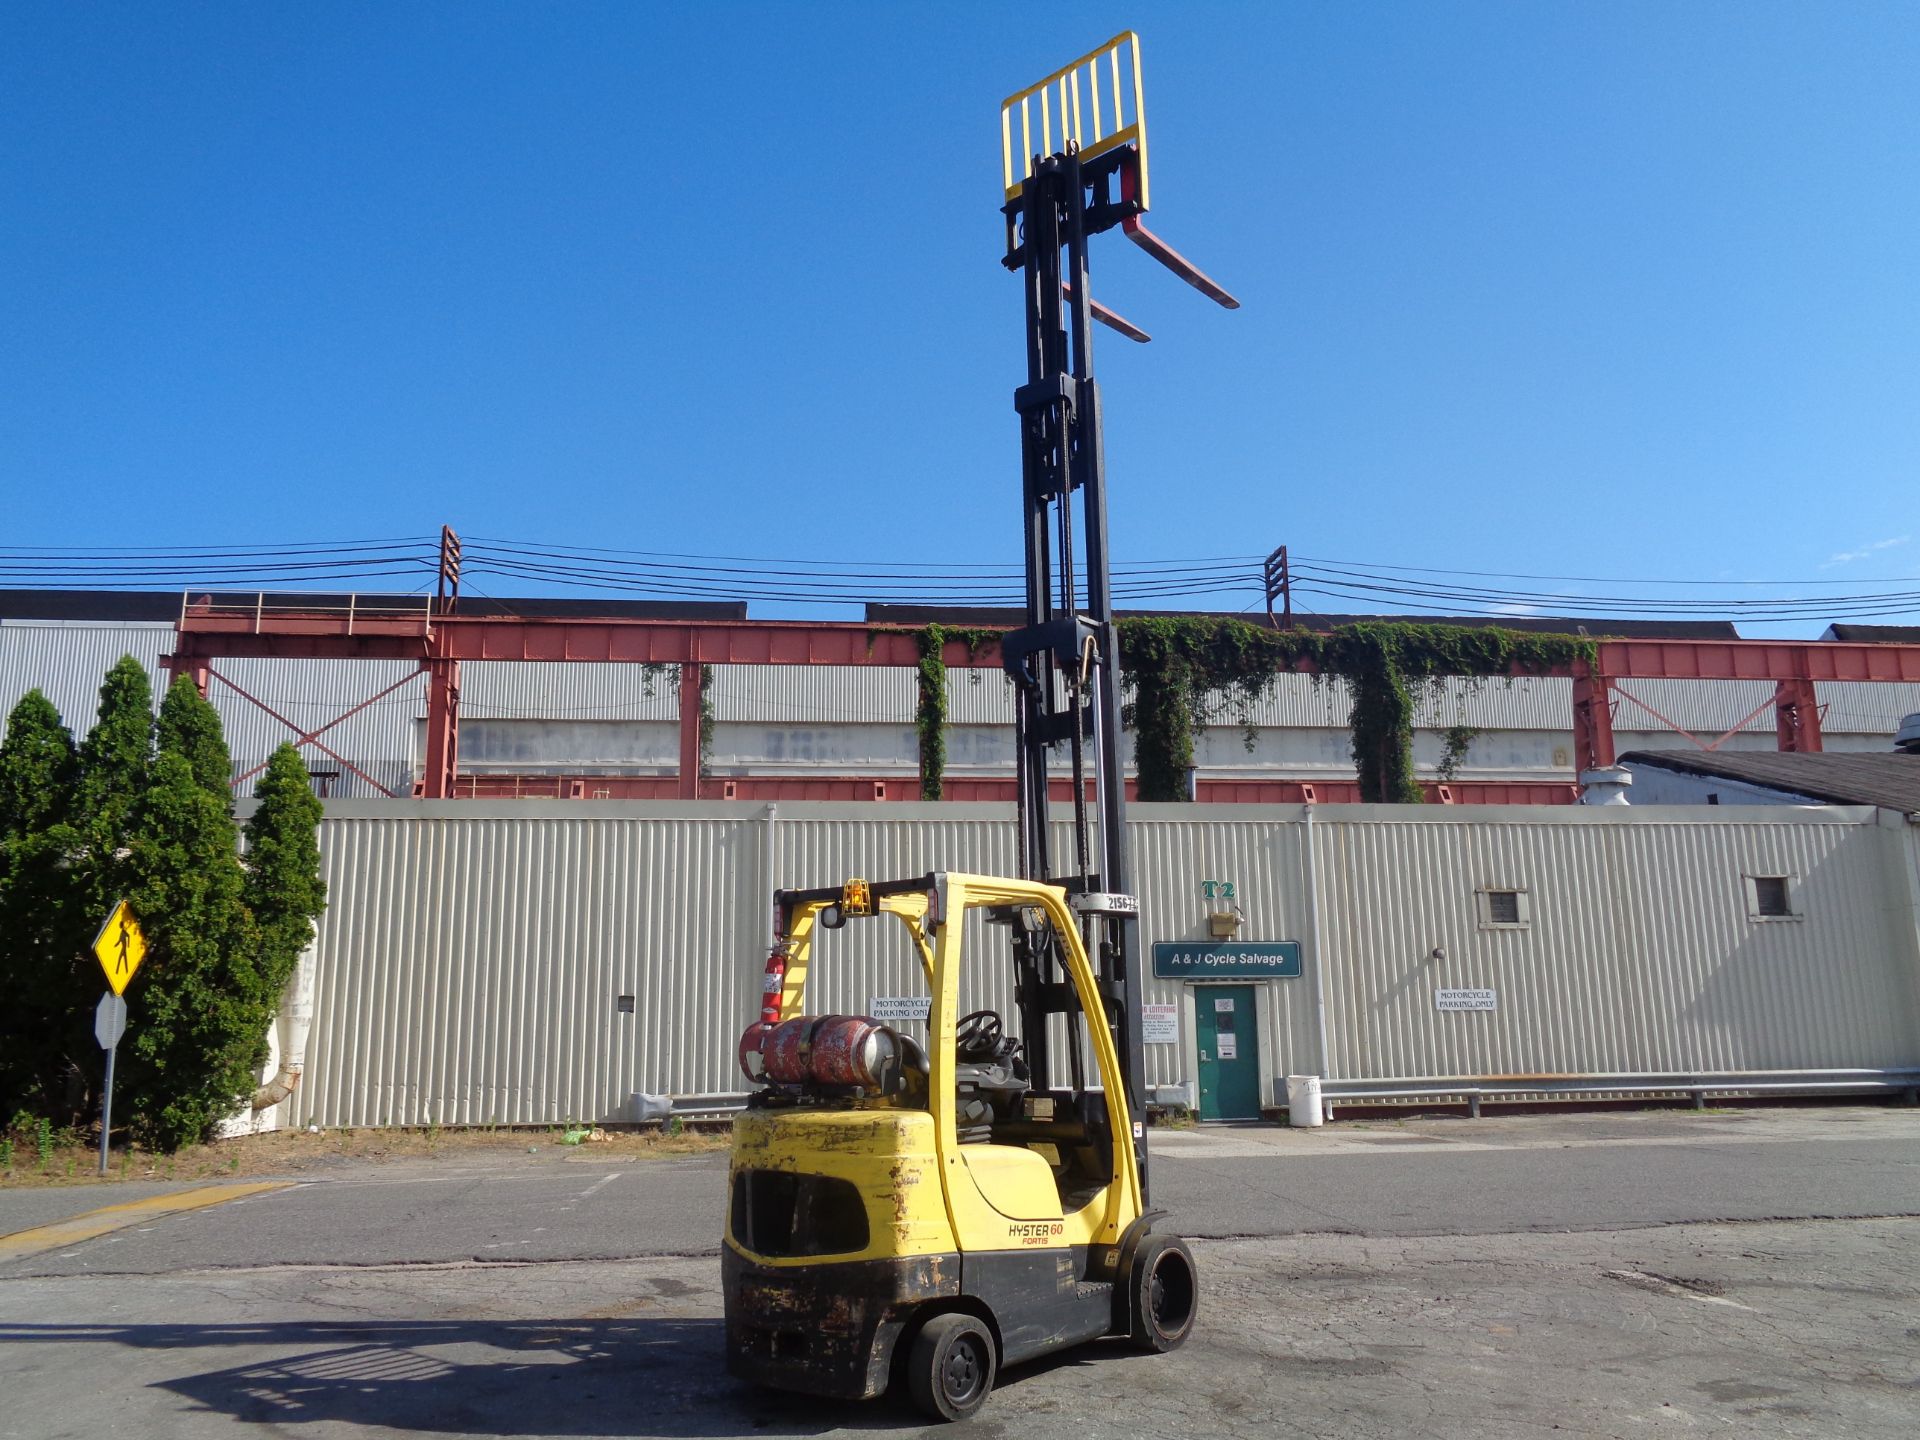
(915, 1214)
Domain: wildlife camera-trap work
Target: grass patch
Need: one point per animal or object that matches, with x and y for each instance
(70, 1159)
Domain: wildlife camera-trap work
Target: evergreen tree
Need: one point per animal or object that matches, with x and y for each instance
(200, 1005)
(283, 888)
(116, 754)
(38, 988)
(189, 726)
(115, 759)
(37, 767)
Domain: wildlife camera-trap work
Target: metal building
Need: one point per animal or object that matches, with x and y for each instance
(610, 728)
(541, 961)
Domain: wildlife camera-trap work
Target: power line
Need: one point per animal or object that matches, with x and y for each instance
(1235, 582)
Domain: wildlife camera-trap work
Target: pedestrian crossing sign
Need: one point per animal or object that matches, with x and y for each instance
(120, 947)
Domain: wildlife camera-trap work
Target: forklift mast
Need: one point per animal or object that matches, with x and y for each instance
(1064, 658)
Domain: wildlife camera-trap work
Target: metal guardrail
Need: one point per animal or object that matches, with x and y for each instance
(1474, 1089)
(646, 1108)
(255, 611)
(1696, 1084)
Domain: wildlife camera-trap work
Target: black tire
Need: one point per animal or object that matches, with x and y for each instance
(950, 1370)
(1164, 1287)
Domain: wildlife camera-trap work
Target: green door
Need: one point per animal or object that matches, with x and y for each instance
(1227, 1031)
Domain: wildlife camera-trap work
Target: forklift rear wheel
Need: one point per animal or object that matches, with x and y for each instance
(1166, 1293)
(951, 1368)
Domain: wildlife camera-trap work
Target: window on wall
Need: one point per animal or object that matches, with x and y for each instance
(1504, 907)
(1770, 897)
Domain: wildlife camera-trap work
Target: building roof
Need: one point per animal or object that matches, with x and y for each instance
(1884, 778)
(164, 605)
(881, 614)
(1873, 634)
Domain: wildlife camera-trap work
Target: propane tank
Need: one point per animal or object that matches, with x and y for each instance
(852, 1050)
(789, 1050)
(841, 1050)
(751, 1054)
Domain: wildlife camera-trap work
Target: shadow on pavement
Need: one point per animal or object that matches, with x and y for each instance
(646, 1376)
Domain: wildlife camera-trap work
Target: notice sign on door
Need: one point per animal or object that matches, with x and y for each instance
(1465, 999)
(1159, 1024)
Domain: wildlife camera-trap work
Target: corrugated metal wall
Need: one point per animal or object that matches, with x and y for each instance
(1640, 954)
(471, 961)
(67, 662)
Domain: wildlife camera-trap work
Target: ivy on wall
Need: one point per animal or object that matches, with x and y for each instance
(930, 708)
(1178, 663)
(1458, 739)
(930, 705)
(706, 719)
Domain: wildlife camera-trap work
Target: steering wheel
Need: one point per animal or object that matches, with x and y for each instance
(978, 1035)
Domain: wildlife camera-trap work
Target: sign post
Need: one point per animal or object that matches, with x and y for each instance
(119, 947)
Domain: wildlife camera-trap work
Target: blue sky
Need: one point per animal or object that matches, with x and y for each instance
(1592, 289)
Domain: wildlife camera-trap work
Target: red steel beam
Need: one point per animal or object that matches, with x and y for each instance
(307, 737)
(1757, 660)
(205, 633)
(442, 761)
(1796, 716)
(615, 641)
(296, 635)
(312, 736)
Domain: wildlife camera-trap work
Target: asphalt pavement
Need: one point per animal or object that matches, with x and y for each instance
(1636, 1274)
(1422, 1177)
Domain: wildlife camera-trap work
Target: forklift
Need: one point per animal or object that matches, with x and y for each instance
(915, 1215)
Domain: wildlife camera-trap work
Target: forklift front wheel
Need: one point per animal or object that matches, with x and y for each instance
(950, 1370)
(1165, 1292)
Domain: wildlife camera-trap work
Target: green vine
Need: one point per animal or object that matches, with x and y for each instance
(1178, 663)
(930, 711)
(1181, 666)
(1458, 738)
(706, 718)
(930, 708)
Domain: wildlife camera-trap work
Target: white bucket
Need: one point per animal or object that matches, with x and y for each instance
(1303, 1100)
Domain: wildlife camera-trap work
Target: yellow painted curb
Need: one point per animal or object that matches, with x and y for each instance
(115, 1217)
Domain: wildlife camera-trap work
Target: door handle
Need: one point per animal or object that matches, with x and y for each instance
(1205, 1056)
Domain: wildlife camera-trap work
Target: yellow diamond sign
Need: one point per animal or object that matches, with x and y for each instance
(120, 947)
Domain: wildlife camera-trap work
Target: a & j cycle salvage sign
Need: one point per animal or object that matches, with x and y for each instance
(1212, 960)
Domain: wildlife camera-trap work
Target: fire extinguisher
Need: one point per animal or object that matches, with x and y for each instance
(752, 1062)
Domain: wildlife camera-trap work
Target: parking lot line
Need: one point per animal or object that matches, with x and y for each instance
(92, 1223)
